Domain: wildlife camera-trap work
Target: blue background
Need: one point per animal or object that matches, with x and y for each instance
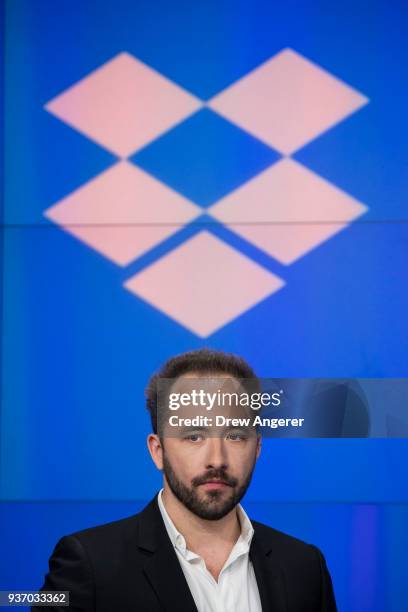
(77, 349)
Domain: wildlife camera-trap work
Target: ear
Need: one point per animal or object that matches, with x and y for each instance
(155, 449)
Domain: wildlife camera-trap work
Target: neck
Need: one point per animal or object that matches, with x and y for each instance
(196, 530)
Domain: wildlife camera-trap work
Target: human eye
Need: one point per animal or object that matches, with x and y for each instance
(237, 435)
(193, 437)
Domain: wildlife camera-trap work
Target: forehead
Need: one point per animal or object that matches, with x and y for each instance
(207, 401)
(207, 382)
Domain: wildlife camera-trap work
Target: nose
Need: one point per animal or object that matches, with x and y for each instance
(216, 453)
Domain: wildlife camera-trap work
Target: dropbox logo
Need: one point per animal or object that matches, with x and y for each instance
(229, 157)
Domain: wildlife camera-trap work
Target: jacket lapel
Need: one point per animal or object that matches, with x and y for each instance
(162, 567)
(269, 577)
(166, 577)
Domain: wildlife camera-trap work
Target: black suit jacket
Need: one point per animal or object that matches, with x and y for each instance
(130, 565)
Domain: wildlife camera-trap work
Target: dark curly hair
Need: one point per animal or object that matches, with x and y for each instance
(205, 361)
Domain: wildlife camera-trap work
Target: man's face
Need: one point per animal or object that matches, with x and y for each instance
(209, 472)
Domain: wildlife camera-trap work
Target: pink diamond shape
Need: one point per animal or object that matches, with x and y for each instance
(288, 101)
(287, 210)
(123, 212)
(123, 105)
(204, 284)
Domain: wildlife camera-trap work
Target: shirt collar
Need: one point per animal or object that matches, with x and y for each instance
(178, 541)
(176, 538)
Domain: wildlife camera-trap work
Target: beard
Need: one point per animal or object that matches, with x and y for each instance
(213, 506)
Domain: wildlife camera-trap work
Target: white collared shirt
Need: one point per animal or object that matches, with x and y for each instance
(236, 589)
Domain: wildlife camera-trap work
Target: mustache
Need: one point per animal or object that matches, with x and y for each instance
(215, 474)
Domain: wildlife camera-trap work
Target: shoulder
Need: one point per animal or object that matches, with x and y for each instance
(88, 545)
(286, 546)
(119, 534)
(304, 567)
(97, 549)
(107, 533)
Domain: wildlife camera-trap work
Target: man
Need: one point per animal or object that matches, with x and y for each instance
(193, 546)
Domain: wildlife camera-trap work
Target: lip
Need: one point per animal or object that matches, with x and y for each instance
(212, 485)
